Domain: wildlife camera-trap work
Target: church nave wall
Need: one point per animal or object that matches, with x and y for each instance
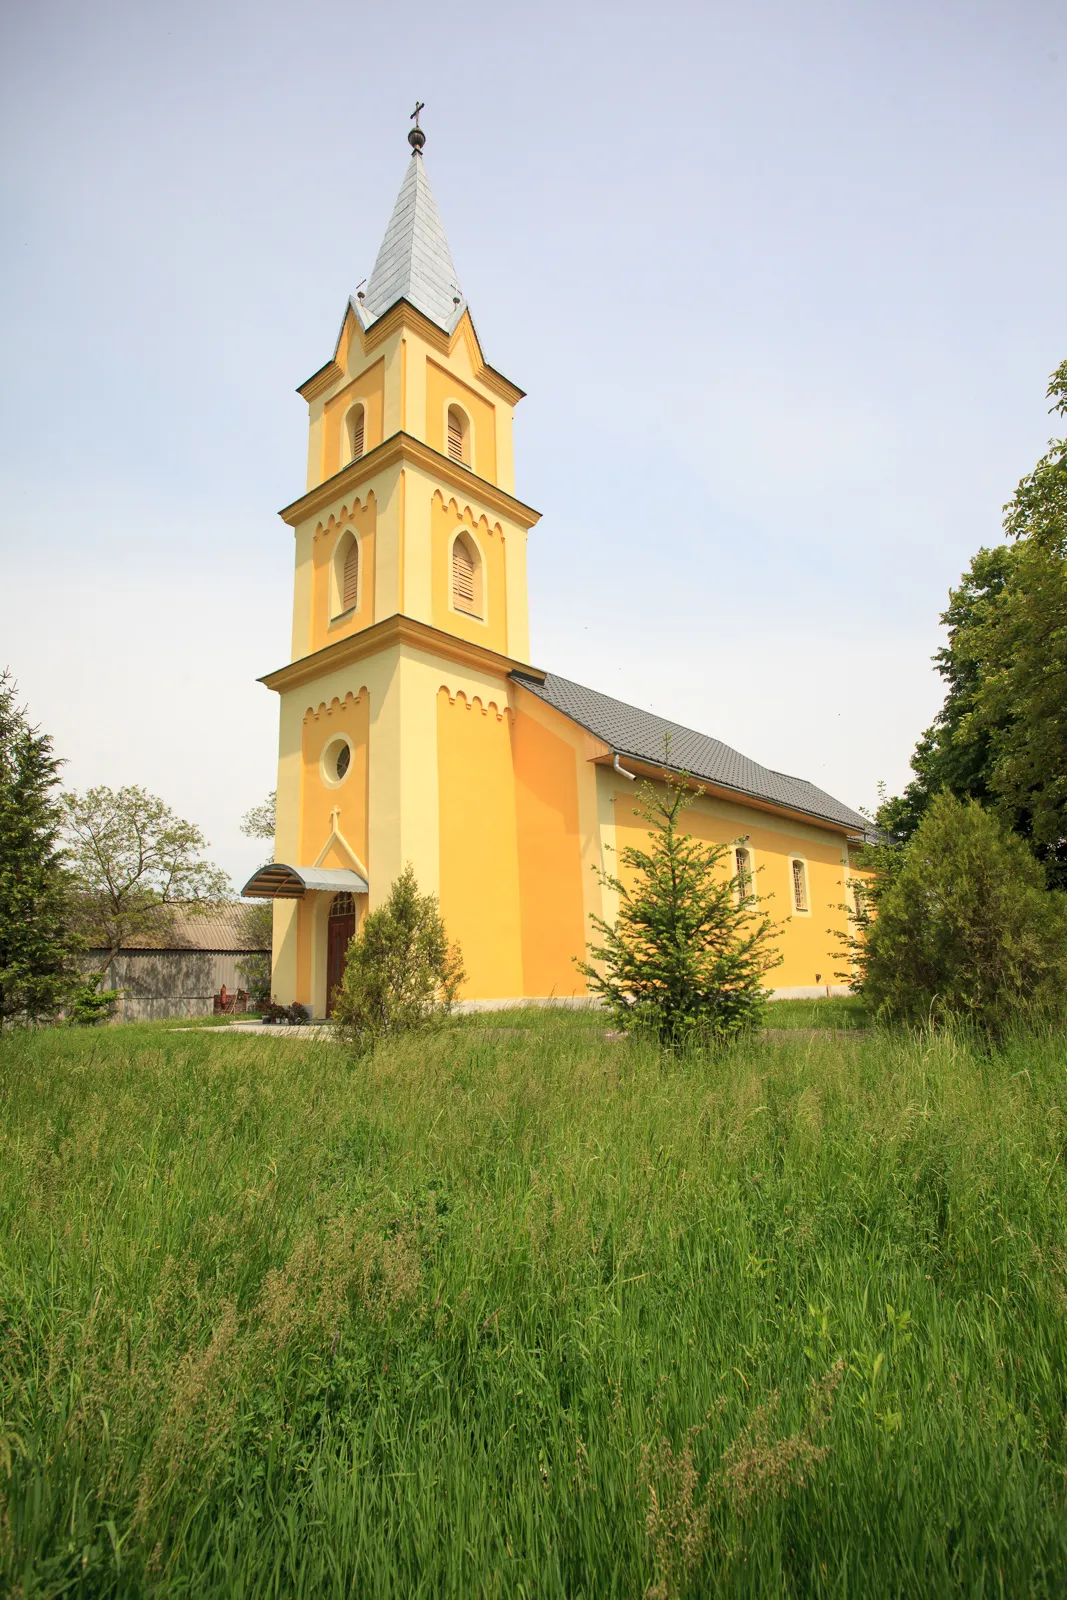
(479, 863)
(805, 940)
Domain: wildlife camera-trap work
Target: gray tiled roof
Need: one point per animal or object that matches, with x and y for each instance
(640, 735)
(414, 262)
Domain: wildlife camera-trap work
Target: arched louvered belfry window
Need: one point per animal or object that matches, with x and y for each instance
(466, 576)
(350, 576)
(459, 435)
(344, 582)
(355, 433)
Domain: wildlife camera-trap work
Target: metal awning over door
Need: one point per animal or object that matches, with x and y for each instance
(279, 881)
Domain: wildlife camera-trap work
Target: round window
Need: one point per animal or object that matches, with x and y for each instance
(334, 762)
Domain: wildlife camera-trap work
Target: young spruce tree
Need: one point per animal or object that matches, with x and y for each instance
(690, 949)
(36, 968)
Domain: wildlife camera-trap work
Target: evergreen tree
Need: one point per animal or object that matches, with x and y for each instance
(690, 949)
(36, 969)
(967, 926)
(401, 972)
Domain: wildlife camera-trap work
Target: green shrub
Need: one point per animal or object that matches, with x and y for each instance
(401, 972)
(90, 1004)
(967, 929)
(689, 951)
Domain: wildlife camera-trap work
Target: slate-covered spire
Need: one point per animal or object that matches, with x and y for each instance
(414, 262)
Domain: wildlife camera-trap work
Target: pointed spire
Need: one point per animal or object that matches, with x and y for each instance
(414, 262)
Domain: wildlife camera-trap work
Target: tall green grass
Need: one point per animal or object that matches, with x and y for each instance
(531, 1315)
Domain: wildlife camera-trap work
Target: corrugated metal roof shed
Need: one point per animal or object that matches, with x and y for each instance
(220, 927)
(641, 735)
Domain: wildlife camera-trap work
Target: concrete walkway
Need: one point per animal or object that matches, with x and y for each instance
(312, 1030)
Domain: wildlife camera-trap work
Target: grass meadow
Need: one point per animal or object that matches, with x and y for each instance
(532, 1313)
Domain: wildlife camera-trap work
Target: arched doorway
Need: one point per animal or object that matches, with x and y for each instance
(339, 931)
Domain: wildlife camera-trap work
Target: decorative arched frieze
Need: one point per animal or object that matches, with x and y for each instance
(336, 704)
(469, 703)
(337, 522)
(467, 514)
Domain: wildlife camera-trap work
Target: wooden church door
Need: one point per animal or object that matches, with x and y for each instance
(340, 930)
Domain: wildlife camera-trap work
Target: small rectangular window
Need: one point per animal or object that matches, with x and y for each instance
(743, 873)
(800, 887)
(357, 436)
(455, 437)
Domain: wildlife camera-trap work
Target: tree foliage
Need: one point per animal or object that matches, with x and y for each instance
(955, 751)
(967, 928)
(131, 858)
(1001, 736)
(260, 821)
(255, 968)
(36, 968)
(1023, 645)
(401, 971)
(690, 948)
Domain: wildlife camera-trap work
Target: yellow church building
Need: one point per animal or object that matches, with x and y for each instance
(413, 726)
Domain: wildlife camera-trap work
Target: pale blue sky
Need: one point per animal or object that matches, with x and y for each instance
(784, 283)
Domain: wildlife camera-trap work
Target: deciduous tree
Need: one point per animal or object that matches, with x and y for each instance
(259, 821)
(1001, 736)
(955, 751)
(1022, 702)
(132, 858)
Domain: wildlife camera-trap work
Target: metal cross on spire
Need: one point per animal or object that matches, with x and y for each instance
(416, 138)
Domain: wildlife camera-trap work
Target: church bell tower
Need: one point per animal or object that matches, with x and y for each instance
(409, 590)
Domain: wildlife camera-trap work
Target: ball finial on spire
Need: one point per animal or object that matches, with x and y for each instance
(416, 138)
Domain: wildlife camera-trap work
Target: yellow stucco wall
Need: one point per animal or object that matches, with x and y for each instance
(549, 858)
(810, 953)
(319, 801)
(491, 630)
(349, 716)
(443, 387)
(362, 519)
(369, 387)
(479, 869)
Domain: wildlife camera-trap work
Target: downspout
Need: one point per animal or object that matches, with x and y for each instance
(623, 772)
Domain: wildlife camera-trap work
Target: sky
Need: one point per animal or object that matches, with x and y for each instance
(784, 284)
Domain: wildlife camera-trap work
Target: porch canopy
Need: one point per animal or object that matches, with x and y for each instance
(278, 881)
